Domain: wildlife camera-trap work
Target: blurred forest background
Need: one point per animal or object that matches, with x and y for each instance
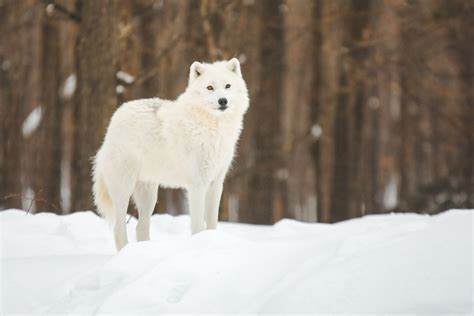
(357, 107)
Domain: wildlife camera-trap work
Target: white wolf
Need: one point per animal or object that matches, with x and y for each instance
(187, 143)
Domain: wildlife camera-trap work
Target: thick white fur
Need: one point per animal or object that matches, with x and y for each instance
(187, 143)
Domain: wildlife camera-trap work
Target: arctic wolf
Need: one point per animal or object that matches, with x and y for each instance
(186, 143)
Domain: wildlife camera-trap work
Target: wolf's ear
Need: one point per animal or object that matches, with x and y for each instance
(195, 70)
(234, 65)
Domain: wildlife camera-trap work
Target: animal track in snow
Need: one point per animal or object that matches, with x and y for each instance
(177, 292)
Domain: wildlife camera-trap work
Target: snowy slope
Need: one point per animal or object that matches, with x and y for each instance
(384, 264)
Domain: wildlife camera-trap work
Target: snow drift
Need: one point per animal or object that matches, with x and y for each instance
(384, 264)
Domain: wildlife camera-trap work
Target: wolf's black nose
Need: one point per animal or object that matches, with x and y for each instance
(222, 101)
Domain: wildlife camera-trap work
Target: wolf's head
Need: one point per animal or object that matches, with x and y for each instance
(218, 86)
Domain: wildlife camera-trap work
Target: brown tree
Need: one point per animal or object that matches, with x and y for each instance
(45, 172)
(268, 194)
(96, 98)
(11, 109)
(20, 93)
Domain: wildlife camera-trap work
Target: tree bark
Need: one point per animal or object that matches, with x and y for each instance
(267, 188)
(10, 109)
(97, 100)
(315, 102)
(46, 168)
(19, 95)
(352, 99)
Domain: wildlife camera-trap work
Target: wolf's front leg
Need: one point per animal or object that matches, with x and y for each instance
(196, 197)
(213, 198)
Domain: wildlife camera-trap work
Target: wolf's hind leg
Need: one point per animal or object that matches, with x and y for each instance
(120, 192)
(145, 196)
(120, 227)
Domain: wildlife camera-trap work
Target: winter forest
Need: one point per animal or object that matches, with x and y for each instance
(357, 107)
(356, 158)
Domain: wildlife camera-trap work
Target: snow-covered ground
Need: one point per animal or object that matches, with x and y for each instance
(384, 264)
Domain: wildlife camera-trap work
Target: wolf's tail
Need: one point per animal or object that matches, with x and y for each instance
(102, 199)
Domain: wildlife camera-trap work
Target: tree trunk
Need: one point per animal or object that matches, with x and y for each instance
(315, 101)
(97, 100)
(10, 110)
(341, 194)
(329, 84)
(267, 188)
(352, 99)
(465, 56)
(46, 169)
(19, 93)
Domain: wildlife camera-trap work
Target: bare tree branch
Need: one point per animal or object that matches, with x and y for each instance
(62, 9)
(154, 71)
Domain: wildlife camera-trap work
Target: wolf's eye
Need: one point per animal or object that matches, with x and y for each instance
(227, 86)
(210, 88)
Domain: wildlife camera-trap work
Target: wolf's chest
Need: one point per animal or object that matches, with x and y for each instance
(211, 149)
(210, 145)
